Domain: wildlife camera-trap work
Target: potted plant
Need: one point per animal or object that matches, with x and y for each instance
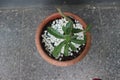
(63, 38)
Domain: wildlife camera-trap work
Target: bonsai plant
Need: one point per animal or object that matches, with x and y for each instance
(63, 39)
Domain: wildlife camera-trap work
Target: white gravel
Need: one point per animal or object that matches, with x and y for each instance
(49, 39)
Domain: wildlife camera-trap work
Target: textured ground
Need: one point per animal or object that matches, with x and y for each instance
(19, 59)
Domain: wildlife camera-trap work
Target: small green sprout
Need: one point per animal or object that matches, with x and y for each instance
(68, 36)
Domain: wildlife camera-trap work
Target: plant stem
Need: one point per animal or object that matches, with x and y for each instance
(67, 18)
(62, 14)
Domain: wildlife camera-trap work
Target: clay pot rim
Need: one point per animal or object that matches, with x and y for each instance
(51, 60)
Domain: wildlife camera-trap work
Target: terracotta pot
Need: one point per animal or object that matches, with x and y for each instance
(51, 60)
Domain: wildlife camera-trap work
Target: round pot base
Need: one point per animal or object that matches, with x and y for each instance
(44, 54)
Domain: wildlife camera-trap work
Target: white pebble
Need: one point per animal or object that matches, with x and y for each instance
(62, 50)
(71, 54)
(76, 51)
(61, 55)
(79, 48)
(60, 59)
(53, 22)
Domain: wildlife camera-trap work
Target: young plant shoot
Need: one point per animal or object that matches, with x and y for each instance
(69, 37)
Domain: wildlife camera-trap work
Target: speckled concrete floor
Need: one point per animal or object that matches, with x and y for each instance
(19, 59)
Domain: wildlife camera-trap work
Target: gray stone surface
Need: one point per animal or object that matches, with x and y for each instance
(10, 40)
(36, 3)
(19, 59)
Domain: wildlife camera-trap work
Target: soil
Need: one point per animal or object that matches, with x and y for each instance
(63, 58)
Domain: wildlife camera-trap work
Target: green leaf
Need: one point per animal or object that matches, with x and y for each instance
(63, 15)
(77, 41)
(85, 37)
(66, 49)
(67, 38)
(69, 27)
(69, 24)
(74, 37)
(88, 28)
(57, 49)
(64, 29)
(55, 33)
(76, 30)
(72, 47)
